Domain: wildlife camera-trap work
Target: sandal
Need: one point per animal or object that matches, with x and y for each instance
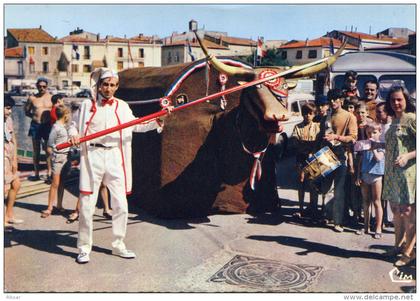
(377, 235)
(403, 261)
(46, 213)
(73, 217)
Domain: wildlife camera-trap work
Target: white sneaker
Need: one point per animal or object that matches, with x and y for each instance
(83, 258)
(124, 253)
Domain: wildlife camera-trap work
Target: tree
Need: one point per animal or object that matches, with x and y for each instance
(272, 58)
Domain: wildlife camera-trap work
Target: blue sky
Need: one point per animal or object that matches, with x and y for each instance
(273, 22)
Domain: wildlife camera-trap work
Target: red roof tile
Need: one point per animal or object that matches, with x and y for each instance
(35, 35)
(365, 36)
(320, 42)
(15, 52)
(77, 39)
(239, 41)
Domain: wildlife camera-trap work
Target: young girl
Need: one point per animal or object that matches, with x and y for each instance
(60, 164)
(370, 172)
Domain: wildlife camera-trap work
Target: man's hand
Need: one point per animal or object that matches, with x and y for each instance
(14, 166)
(169, 109)
(75, 140)
(358, 181)
(330, 137)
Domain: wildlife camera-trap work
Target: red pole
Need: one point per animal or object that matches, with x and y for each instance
(164, 112)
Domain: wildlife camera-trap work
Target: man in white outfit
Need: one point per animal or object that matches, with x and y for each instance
(106, 159)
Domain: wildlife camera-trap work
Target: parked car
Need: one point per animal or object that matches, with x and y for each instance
(85, 93)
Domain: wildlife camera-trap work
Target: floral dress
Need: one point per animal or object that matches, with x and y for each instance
(400, 183)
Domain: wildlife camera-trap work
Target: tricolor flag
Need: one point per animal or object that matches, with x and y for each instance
(75, 52)
(260, 51)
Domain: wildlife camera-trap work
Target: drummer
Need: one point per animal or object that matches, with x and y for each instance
(344, 131)
(304, 138)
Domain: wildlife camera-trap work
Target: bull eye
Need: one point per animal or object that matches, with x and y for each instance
(285, 86)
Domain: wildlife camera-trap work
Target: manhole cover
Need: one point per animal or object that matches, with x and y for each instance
(267, 274)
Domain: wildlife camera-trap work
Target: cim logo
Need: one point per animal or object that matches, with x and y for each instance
(398, 276)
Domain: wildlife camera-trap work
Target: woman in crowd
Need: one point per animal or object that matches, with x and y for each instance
(400, 172)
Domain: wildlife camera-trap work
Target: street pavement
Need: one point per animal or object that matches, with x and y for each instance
(220, 253)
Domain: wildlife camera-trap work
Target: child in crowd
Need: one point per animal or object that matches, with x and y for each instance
(353, 197)
(350, 104)
(304, 138)
(362, 120)
(57, 100)
(11, 177)
(350, 84)
(370, 172)
(60, 164)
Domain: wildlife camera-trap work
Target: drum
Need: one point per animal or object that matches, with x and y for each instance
(321, 164)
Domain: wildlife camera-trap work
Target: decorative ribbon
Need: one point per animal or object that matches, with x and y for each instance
(256, 170)
(223, 80)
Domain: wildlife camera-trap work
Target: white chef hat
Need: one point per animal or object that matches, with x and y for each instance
(97, 75)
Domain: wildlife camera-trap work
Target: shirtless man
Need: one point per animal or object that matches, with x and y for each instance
(38, 108)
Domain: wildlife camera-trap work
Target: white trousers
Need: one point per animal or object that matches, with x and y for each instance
(107, 168)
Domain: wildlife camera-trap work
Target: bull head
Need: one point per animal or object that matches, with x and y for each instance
(268, 102)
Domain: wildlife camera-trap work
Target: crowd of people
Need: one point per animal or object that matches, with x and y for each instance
(373, 142)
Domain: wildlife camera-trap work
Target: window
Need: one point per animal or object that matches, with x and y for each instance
(141, 53)
(169, 57)
(312, 54)
(65, 83)
(20, 68)
(120, 65)
(86, 53)
(141, 64)
(45, 50)
(120, 52)
(299, 54)
(74, 68)
(45, 68)
(284, 55)
(386, 81)
(32, 68)
(31, 50)
(176, 58)
(87, 68)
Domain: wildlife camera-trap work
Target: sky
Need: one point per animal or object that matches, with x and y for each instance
(271, 21)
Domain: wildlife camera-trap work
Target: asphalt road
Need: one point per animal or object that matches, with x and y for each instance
(220, 253)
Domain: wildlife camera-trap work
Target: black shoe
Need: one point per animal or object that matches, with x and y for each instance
(48, 180)
(34, 178)
(107, 215)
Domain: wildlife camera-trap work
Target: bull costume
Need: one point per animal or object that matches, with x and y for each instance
(106, 159)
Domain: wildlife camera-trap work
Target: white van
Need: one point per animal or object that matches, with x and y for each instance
(387, 68)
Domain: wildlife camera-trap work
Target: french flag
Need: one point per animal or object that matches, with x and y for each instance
(75, 52)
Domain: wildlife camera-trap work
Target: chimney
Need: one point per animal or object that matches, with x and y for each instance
(193, 25)
(351, 30)
(97, 37)
(306, 42)
(40, 26)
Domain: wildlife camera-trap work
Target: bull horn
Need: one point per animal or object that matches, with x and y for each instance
(314, 67)
(223, 68)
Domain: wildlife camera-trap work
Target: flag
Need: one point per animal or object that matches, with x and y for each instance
(75, 52)
(260, 51)
(190, 51)
(331, 46)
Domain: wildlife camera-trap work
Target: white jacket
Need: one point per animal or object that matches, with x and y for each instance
(124, 114)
